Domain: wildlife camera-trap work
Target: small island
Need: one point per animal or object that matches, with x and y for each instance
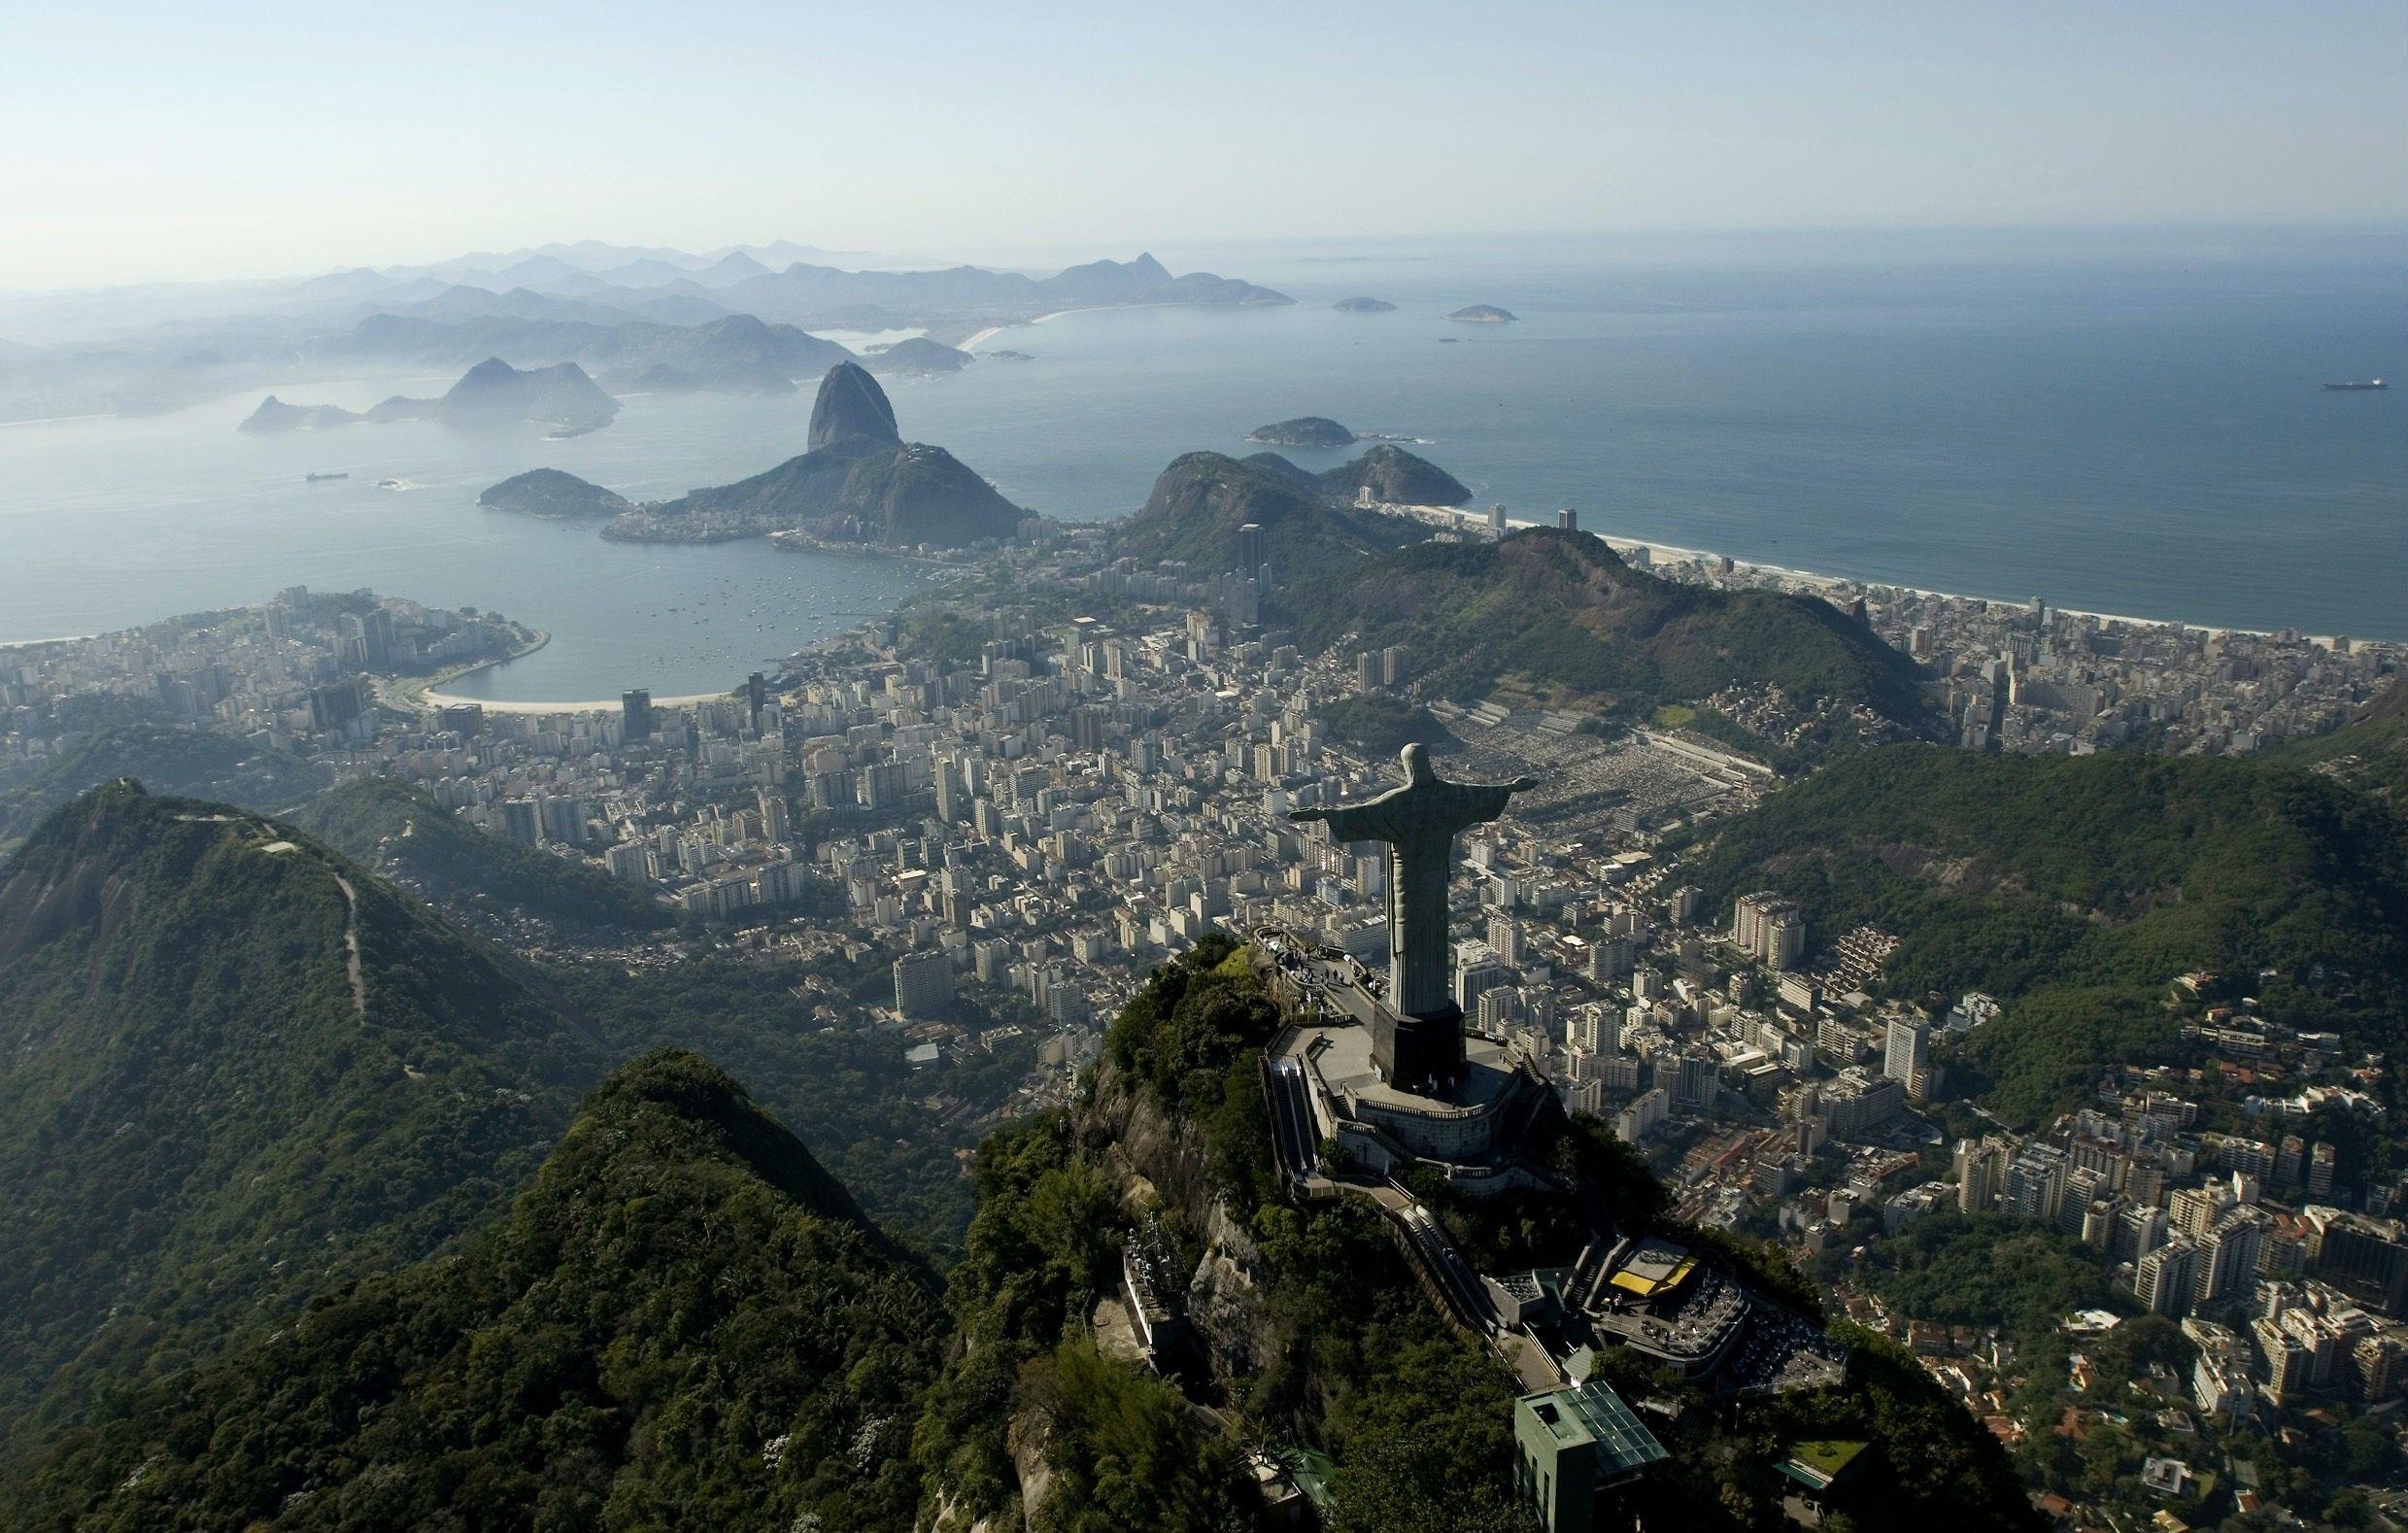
(1305, 431)
(550, 493)
(1363, 306)
(559, 397)
(1483, 314)
(274, 414)
(918, 355)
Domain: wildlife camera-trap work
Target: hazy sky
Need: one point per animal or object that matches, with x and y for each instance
(141, 140)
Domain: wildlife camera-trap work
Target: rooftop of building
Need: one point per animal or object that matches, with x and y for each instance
(1592, 1413)
(1821, 1463)
(1654, 1267)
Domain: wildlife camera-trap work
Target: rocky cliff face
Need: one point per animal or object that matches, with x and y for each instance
(851, 409)
(1153, 1155)
(860, 481)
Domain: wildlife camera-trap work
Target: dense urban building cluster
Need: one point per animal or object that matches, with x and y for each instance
(1066, 768)
(2029, 677)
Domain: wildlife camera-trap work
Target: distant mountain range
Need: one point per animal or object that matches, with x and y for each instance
(492, 393)
(618, 308)
(732, 345)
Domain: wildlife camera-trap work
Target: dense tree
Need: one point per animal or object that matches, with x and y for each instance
(684, 1320)
(2076, 889)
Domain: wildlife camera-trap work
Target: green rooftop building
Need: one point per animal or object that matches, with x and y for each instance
(1573, 1444)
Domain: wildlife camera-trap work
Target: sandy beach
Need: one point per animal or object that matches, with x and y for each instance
(602, 705)
(1675, 552)
(979, 337)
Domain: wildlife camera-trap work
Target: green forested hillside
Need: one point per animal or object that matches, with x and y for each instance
(137, 742)
(889, 1131)
(1559, 611)
(1201, 499)
(200, 1127)
(683, 1323)
(401, 830)
(2370, 752)
(1381, 725)
(2077, 888)
(200, 1120)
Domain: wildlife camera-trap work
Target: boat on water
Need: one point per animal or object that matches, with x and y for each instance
(2368, 385)
(315, 477)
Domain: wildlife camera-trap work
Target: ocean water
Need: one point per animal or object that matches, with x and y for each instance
(2126, 422)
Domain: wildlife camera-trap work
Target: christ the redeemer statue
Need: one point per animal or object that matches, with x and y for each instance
(1419, 822)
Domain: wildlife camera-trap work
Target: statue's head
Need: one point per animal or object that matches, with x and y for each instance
(1416, 760)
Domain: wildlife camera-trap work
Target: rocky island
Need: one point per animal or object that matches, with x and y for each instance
(274, 414)
(918, 355)
(1483, 314)
(492, 393)
(856, 482)
(1305, 431)
(1363, 306)
(552, 495)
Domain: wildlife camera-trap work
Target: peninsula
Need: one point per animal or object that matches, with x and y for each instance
(856, 482)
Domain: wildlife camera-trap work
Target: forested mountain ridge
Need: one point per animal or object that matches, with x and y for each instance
(1200, 502)
(1559, 612)
(206, 1113)
(683, 1321)
(1566, 614)
(130, 737)
(2076, 889)
(382, 823)
(2369, 752)
(200, 1125)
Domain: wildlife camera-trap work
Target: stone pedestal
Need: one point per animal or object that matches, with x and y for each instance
(1421, 1054)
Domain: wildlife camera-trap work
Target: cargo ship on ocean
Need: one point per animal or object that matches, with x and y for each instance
(2357, 388)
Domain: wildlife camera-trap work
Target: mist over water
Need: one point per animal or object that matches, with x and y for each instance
(2115, 430)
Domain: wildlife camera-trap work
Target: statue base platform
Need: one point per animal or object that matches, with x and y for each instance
(1419, 1054)
(1466, 1120)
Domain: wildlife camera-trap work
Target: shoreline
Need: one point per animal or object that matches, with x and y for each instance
(1677, 553)
(414, 693)
(443, 700)
(976, 337)
(36, 643)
